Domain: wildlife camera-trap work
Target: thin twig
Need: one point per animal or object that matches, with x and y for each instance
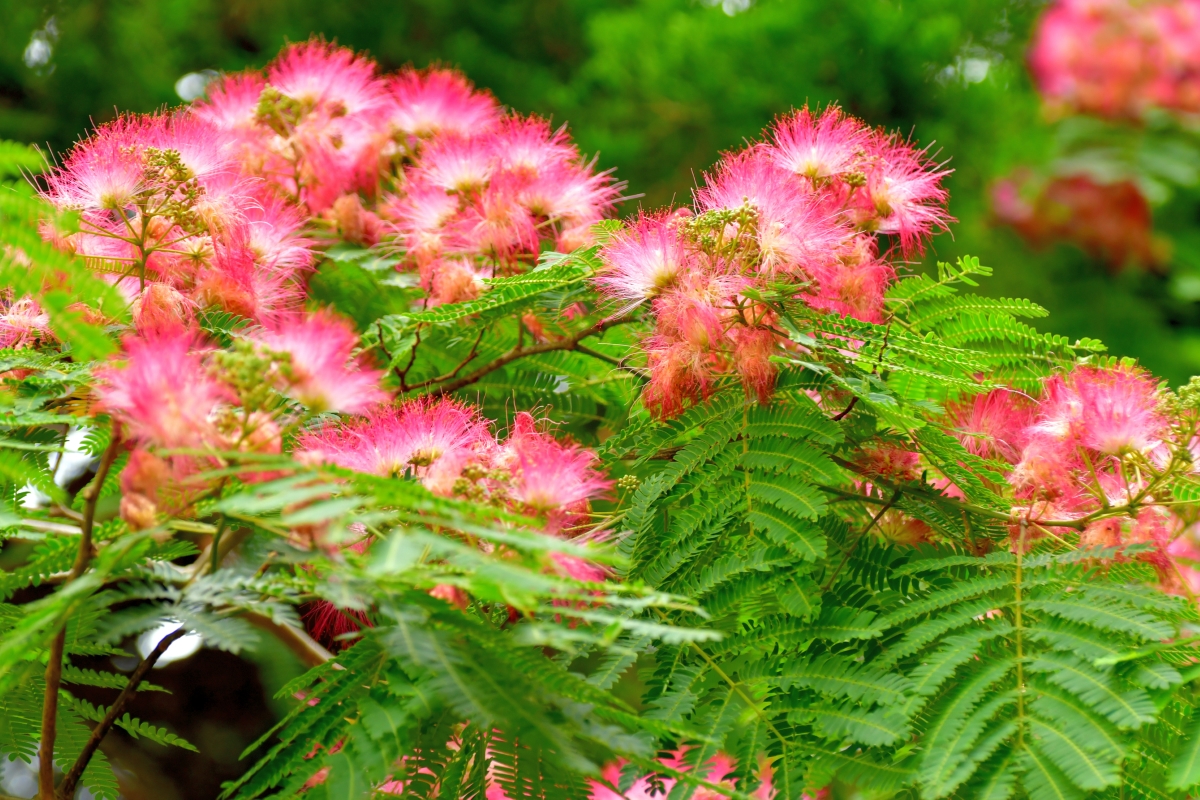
(853, 402)
(54, 666)
(48, 527)
(568, 343)
(66, 789)
(859, 538)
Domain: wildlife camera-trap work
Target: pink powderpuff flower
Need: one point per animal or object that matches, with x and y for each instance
(163, 393)
(426, 103)
(327, 77)
(551, 478)
(153, 486)
(320, 371)
(819, 146)
(430, 439)
(752, 351)
(496, 225)
(104, 171)
(1118, 58)
(570, 195)
(642, 261)
(904, 195)
(420, 216)
(455, 164)
(1047, 468)
(577, 568)
(236, 282)
(1153, 526)
(272, 229)
(795, 233)
(326, 171)
(1185, 559)
(994, 424)
(452, 280)
(355, 223)
(1118, 409)
(23, 323)
(718, 770)
(202, 147)
(162, 309)
(889, 460)
(855, 289)
(527, 147)
(230, 103)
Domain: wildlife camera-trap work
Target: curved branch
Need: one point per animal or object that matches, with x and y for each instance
(54, 663)
(66, 789)
(568, 343)
(304, 646)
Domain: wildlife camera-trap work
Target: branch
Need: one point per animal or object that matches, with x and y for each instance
(569, 343)
(66, 789)
(304, 646)
(853, 402)
(853, 547)
(54, 666)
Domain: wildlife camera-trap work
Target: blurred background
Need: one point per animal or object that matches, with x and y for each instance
(1089, 210)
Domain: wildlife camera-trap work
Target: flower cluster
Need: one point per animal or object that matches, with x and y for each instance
(717, 770)
(465, 188)
(804, 214)
(171, 391)
(1117, 58)
(1094, 452)
(472, 205)
(167, 215)
(450, 448)
(1109, 221)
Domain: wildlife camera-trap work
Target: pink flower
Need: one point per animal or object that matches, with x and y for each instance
(320, 371)
(23, 323)
(1118, 58)
(993, 425)
(794, 232)
(161, 309)
(1118, 409)
(1047, 469)
(231, 103)
(497, 225)
(455, 164)
(424, 103)
(327, 77)
(570, 195)
(819, 146)
(104, 171)
(162, 394)
(527, 146)
(236, 282)
(752, 351)
(420, 217)
(904, 193)
(854, 288)
(889, 460)
(550, 477)
(717, 770)
(153, 486)
(272, 229)
(431, 439)
(642, 261)
(452, 280)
